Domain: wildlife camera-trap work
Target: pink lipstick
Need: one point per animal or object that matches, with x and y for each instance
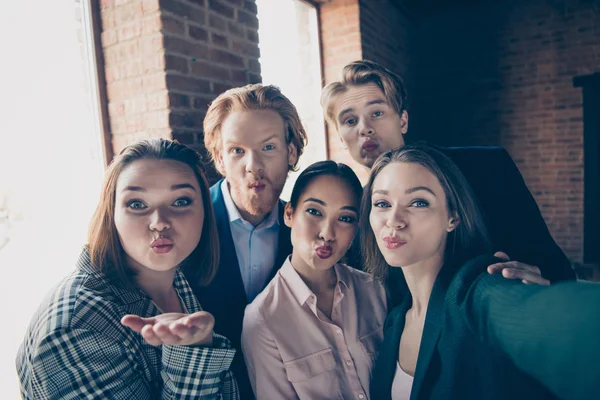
(324, 252)
(393, 242)
(161, 245)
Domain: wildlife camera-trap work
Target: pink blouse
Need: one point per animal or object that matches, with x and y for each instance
(293, 350)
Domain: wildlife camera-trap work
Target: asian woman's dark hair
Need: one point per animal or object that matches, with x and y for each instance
(468, 240)
(325, 168)
(106, 251)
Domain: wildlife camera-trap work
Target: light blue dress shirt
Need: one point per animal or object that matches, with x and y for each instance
(255, 246)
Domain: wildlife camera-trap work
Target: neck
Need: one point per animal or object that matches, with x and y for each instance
(420, 278)
(255, 220)
(316, 280)
(158, 285)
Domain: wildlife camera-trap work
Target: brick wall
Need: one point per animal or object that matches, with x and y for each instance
(486, 73)
(385, 28)
(134, 70)
(166, 60)
(495, 74)
(341, 43)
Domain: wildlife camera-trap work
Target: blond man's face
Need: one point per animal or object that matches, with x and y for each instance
(255, 159)
(368, 126)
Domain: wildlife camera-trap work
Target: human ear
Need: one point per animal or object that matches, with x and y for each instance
(404, 122)
(288, 211)
(453, 223)
(292, 155)
(219, 164)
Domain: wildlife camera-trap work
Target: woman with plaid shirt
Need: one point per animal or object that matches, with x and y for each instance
(125, 323)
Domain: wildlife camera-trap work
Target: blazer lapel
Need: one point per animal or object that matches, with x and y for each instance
(385, 367)
(229, 275)
(432, 329)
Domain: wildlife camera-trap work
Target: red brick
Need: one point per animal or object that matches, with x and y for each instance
(176, 63)
(187, 84)
(221, 8)
(248, 19)
(250, 5)
(177, 100)
(173, 25)
(205, 70)
(184, 137)
(219, 40)
(245, 48)
(184, 47)
(217, 22)
(195, 32)
(184, 10)
(225, 57)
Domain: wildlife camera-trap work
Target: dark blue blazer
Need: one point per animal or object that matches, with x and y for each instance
(490, 338)
(225, 298)
(510, 213)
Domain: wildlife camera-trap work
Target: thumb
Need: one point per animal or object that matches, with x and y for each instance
(502, 255)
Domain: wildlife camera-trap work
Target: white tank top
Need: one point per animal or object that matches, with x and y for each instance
(402, 385)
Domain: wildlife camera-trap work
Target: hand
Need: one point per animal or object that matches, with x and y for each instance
(174, 328)
(515, 270)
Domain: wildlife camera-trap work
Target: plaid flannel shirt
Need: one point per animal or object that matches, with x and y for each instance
(77, 348)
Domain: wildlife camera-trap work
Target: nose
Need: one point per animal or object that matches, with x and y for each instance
(397, 220)
(159, 220)
(327, 233)
(255, 163)
(365, 128)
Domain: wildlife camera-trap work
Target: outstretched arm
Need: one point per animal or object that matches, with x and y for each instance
(549, 332)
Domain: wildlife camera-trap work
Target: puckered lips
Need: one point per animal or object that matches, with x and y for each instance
(393, 242)
(257, 186)
(162, 245)
(370, 145)
(324, 252)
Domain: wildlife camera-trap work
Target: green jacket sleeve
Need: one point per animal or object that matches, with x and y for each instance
(549, 332)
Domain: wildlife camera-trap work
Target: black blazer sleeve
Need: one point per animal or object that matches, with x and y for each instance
(514, 221)
(550, 332)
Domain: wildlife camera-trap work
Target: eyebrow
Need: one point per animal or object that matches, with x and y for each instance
(234, 143)
(348, 208)
(370, 103)
(173, 187)
(407, 191)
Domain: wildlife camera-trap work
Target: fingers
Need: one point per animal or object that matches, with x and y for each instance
(173, 329)
(136, 322)
(201, 319)
(502, 255)
(515, 270)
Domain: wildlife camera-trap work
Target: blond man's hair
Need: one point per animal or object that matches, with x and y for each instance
(363, 72)
(248, 98)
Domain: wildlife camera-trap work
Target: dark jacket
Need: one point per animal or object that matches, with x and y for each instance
(486, 337)
(225, 298)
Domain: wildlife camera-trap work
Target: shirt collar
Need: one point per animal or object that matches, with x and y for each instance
(234, 213)
(297, 286)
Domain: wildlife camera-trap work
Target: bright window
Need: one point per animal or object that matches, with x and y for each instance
(51, 162)
(290, 58)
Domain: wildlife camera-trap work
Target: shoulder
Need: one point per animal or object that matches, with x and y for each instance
(215, 191)
(469, 274)
(268, 302)
(359, 278)
(81, 301)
